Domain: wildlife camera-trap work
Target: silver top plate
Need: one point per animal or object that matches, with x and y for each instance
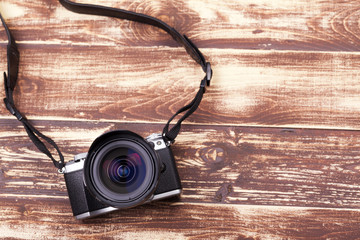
(76, 164)
(157, 140)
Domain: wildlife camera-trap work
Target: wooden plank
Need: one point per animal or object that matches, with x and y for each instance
(258, 24)
(262, 88)
(242, 178)
(237, 165)
(36, 219)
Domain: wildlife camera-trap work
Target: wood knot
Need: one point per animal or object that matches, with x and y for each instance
(27, 86)
(169, 19)
(224, 191)
(2, 172)
(2, 175)
(24, 211)
(257, 31)
(212, 154)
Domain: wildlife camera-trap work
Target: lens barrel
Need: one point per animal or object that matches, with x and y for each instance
(121, 169)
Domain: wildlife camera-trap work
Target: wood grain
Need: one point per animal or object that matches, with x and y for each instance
(172, 220)
(262, 88)
(237, 165)
(286, 25)
(272, 152)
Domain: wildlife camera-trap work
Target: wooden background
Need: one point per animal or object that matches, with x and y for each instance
(272, 152)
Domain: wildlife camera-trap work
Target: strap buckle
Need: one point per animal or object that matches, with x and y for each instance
(167, 141)
(206, 81)
(209, 73)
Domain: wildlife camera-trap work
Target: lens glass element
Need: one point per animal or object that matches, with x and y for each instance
(122, 170)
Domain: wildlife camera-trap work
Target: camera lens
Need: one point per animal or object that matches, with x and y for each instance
(122, 169)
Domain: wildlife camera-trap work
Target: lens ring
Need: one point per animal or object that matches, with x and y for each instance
(140, 186)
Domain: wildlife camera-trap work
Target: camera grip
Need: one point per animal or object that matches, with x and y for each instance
(80, 198)
(169, 179)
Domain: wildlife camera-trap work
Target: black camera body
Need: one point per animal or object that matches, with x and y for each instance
(121, 170)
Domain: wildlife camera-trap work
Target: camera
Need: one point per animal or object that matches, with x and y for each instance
(121, 170)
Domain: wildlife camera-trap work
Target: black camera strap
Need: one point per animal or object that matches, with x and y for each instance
(13, 57)
(169, 135)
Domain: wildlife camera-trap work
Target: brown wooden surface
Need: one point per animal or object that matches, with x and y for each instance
(271, 153)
